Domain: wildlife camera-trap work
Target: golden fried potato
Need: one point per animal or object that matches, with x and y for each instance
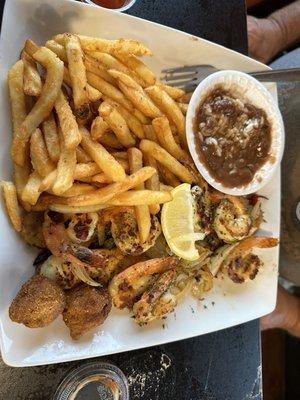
(86, 308)
(38, 303)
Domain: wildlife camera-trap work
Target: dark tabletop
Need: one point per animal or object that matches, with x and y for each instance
(225, 365)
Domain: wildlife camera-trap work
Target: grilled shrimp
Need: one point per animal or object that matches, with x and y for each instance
(202, 210)
(60, 245)
(69, 275)
(82, 227)
(232, 221)
(236, 259)
(244, 268)
(156, 301)
(127, 286)
(124, 230)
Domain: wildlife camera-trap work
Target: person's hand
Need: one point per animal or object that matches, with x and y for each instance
(264, 38)
(286, 316)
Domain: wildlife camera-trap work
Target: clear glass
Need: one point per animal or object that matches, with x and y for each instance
(91, 370)
(126, 6)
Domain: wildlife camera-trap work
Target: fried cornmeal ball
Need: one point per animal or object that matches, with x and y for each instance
(86, 308)
(39, 302)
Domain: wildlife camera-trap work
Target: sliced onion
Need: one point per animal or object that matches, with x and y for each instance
(81, 218)
(81, 274)
(219, 257)
(256, 211)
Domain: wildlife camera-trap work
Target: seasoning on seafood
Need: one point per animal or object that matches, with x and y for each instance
(127, 286)
(156, 301)
(125, 233)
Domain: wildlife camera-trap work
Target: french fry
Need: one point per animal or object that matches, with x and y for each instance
(142, 213)
(172, 91)
(51, 138)
(21, 176)
(93, 93)
(18, 111)
(150, 133)
(136, 94)
(82, 171)
(12, 206)
(101, 178)
(32, 83)
(154, 209)
(65, 171)
(39, 155)
(103, 195)
(110, 46)
(141, 117)
(58, 49)
(168, 176)
(120, 155)
(108, 90)
(132, 121)
(76, 210)
(183, 107)
(16, 94)
(117, 124)
(153, 182)
(165, 188)
(170, 108)
(166, 139)
(124, 164)
(31, 47)
(166, 159)
(110, 62)
(65, 167)
(82, 156)
(44, 104)
(31, 191)
(109, 139)
(77, 189)
(67, 78)
(136, 65)
(98, 69)
(140, 197)
(77, 73)
(67, 121)
(98, 128)
(102, 157)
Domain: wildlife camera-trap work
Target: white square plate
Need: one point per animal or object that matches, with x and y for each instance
(227, 304)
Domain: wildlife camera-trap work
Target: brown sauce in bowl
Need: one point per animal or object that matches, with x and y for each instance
(232, 137)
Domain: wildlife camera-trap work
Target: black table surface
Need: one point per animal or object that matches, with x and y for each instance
(224, 365)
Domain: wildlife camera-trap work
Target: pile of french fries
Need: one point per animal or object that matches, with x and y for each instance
(92, 128)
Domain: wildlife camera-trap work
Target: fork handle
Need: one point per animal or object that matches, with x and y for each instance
(278, 75)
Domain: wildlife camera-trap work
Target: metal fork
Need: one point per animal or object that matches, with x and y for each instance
(188, 77)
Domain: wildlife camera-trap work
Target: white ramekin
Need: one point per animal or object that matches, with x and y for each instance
(129, 4)
(248, 88)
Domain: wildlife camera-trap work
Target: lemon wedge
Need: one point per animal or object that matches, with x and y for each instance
(177, 220)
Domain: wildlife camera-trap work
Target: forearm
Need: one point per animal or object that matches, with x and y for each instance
(286, 315)
(287, 20)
